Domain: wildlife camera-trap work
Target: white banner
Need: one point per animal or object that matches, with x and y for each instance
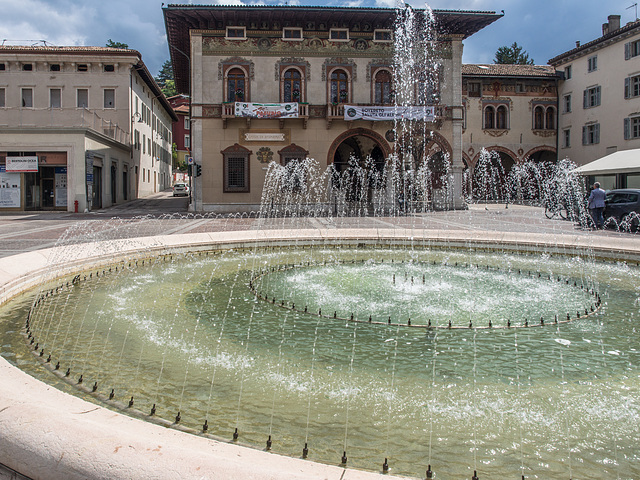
(376, 114)
(266, 110)
(22, 164)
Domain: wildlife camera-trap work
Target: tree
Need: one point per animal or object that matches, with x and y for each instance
(165, 79)
(112, 44)
(513, 55)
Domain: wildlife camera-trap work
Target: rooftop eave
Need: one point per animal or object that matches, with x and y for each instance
(181, 19)
(612, 37)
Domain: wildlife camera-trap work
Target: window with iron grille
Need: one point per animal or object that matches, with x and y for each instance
(236, 174)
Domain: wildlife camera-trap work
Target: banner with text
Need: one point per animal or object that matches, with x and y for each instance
(267, 110)
(376, 114)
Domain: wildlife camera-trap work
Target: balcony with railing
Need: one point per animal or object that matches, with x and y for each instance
(332, 112)
(63, 118)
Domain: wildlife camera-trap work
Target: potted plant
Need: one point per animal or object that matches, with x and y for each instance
(240, 94)
(295, 95)
(343, 96)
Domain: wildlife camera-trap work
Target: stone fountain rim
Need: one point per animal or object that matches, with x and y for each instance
(68, 437)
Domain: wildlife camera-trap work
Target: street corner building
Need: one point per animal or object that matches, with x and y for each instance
(81, 128)
(271, 84)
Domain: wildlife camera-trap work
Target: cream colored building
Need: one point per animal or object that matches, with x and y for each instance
(599, 98)
(80, 124)
(511, 110)
(321, 58)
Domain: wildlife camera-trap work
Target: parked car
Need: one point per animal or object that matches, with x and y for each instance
(624, 206)
(180, 189)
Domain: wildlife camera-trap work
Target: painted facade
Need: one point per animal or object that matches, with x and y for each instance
(512, 110)
(318, 57)
(89, 123)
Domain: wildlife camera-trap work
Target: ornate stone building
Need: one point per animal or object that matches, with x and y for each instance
(317, 59)
(511, 110)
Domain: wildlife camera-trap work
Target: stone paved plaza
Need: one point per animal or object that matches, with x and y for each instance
(164, 215)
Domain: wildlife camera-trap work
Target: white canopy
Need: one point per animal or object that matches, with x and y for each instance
(624, 161)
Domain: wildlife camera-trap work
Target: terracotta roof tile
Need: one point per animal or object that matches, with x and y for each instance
(499, 70)
(66, 49)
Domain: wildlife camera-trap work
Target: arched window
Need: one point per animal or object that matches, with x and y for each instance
(501, 117)
(489, 117)
(292, 86)
(538, 118)
(382, 88)
(236, 86)
(339, 87)
(550, 122)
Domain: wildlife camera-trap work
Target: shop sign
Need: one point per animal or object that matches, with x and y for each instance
(22, 164)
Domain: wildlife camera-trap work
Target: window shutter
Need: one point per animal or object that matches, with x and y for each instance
(585, 97)
(627, 128)
(627, 87)
(627, 51)
(598, 95)
(584, 135)
(596, 133)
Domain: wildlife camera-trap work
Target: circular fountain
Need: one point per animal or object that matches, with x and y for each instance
(409, 347)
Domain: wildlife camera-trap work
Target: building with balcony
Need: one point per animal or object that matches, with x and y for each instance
(181, 135)
(599, 97)
(80, 127)
(511, 110)
(234, 61)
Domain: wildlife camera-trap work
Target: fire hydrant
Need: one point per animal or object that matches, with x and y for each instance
(75, 206)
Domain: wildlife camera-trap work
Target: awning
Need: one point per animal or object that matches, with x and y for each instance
(624, 161)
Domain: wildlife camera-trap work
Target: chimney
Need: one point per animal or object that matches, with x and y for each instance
(577, 43)
(605, 29)
(614, 22)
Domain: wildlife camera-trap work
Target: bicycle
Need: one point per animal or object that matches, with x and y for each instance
(560, 210)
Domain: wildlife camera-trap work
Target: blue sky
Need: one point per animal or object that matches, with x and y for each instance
(544, 28)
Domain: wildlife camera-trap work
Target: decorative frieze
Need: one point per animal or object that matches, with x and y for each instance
(313, 46)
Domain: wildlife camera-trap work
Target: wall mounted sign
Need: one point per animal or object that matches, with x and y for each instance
(22, 164)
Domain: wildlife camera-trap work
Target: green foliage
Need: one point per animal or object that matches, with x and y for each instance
(112, 44)
(178, 165)
(169, 88)
(165, 79)
(513, 55)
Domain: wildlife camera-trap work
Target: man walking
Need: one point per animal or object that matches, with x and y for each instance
(596, 205)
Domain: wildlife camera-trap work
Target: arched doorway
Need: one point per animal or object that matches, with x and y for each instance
(490, 174)
(357, 158)
(542, 155)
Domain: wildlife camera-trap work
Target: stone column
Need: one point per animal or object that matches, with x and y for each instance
(457, 165)
(196, 133)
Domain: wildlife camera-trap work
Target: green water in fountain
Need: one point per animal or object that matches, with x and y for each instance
(189, 335)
